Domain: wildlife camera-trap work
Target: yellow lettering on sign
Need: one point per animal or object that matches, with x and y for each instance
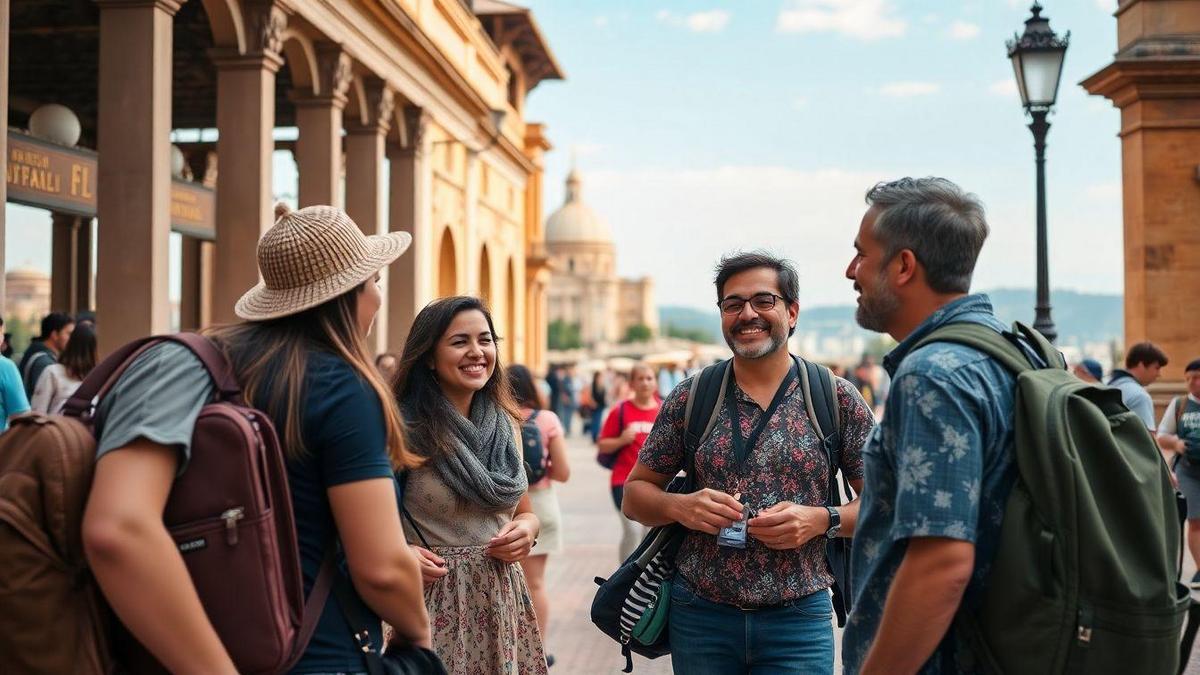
(80, 185)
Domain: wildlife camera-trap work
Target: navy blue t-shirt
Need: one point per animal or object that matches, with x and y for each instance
(345, 441)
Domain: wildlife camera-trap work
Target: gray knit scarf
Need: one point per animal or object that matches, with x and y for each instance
(485, 466)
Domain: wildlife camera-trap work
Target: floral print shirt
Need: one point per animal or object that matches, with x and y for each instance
(787, 463)
(939, 465)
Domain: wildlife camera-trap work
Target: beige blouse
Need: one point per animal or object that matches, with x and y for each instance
(444, 518)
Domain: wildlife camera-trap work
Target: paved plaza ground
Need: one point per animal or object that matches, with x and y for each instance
(591, 536)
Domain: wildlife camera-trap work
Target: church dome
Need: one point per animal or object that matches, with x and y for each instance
(575, 222)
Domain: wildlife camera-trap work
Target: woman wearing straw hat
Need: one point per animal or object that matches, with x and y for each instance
(301, 357)
(468, 505)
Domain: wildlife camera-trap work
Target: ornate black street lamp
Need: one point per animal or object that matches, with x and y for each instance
(1037, 59)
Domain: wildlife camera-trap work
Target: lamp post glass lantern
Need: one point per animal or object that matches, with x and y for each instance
(1037, 59)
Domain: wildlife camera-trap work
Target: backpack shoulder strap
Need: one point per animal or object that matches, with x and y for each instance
(105, 375)
(704, 403)
(820, 398)
(988, 341)
(1180, 406)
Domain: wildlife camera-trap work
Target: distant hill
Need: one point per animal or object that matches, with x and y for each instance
(1080, 317)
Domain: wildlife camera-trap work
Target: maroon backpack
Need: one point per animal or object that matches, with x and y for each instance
(230, 514)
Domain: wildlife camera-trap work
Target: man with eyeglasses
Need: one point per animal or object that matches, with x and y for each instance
(761, 601)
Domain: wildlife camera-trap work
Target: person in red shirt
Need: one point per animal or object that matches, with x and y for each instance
(625, 430)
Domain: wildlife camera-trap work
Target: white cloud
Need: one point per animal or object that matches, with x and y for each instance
(712, 21)
(799, 103)
(1006, 88)
(1109, 6)
(963, 30)
(909, 89)
(860, 19)
(600, 22)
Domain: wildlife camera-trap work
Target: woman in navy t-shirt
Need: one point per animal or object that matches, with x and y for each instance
(301, 357)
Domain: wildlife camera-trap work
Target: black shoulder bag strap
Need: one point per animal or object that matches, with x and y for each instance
(705, 397)
(402, 483)
(820, 397)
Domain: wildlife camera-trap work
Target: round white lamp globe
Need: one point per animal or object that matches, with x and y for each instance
(55, 123)
(177, 161)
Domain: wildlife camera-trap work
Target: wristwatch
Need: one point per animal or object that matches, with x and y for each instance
(835, 523)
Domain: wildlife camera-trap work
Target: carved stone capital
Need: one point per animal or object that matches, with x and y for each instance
(414, 122)
(378, 107)
(335, 68)
(265, 22)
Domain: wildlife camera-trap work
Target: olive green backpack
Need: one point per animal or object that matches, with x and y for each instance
(1085, 578)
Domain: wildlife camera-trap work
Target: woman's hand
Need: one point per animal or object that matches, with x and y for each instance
(433, 566)
(513, 542)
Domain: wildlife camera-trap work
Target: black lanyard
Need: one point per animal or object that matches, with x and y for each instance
(742, 448)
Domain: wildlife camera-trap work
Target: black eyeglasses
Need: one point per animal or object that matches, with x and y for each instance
(761, 302)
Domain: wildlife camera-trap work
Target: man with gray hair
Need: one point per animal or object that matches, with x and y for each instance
(939, 468)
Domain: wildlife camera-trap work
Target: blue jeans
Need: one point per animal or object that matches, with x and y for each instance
(708, 638)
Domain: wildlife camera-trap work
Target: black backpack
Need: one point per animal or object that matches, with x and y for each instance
(533, 449)
(637, 586)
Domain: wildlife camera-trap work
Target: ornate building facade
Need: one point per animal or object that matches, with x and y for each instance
(1154, 79)
(409, 114)
(584, 287)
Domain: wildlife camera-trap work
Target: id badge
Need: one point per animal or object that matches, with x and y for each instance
(734, 536)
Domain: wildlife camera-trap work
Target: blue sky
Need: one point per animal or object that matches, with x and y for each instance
(705, 127)
(701, 127)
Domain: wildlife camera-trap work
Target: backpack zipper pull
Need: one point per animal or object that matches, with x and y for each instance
(1084, 633)
(231, 518)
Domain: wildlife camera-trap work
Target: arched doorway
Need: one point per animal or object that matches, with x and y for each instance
(447, 266)
(485, 277)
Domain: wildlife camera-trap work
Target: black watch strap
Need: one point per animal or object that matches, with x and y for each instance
(835, 522)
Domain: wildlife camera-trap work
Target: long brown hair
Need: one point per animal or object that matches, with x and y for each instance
(416, 384)
(79, 356)
(276, 352)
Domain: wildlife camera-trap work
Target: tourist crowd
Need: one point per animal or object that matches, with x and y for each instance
(429, 477)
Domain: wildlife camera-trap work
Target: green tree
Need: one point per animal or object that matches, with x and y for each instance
(564, 335)
(23, 331)
(637, 333)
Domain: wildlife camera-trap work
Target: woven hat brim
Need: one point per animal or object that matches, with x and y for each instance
(263, 304)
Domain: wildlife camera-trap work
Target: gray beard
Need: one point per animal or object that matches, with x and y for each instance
(874, 312)
(758, 352)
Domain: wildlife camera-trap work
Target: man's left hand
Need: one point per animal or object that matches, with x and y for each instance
(787, 526)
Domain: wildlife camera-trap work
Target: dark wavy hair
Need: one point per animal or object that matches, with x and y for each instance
(524, 391)
(416, 386)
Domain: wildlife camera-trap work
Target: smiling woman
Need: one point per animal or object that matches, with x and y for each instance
(467, 505)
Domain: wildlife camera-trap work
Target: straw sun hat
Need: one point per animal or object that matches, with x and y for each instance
(312, 256)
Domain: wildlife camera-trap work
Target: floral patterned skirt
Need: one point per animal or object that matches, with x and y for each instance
(482, 615)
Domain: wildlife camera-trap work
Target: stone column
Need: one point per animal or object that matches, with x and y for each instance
(189, 296)
(319, 119)
(365, 146)
(410, 282)
(245, 119)
(134, 181)
(84, 274)
(537, 260)
(3, 138)
(1155, 80)
(64, 263)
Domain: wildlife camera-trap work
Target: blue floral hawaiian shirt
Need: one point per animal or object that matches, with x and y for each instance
(939, 465)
